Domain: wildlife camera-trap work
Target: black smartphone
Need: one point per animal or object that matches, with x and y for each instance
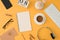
(7, 3)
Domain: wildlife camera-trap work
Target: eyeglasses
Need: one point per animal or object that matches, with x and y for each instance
(11, 20)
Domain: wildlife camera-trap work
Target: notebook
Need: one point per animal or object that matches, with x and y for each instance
(24, 21)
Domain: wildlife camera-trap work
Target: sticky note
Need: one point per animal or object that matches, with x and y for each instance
(24, 21)
(54, 14)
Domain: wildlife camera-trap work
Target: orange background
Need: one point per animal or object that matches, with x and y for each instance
(33, 11)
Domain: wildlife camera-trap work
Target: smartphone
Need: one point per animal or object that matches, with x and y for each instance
(7, 3)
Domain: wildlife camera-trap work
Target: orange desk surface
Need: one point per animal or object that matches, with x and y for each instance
(33, 11)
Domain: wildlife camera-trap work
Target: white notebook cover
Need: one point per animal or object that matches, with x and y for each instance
(24, 21)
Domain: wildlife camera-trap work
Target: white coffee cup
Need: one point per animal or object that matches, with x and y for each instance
(39, 5)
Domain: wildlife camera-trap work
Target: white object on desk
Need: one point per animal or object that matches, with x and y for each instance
(23, 3)
(43, 20)
(39, 5)
(24, 21)
(54, 14)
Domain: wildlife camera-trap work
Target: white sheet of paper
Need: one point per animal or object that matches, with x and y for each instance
(54, 14)
(24, 21)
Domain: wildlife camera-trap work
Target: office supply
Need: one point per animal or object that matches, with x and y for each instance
(7, 3)
(32, 37)
(23, 3)
(24, 21)
(9, 35)
(54, 14)
(23, 37)
(39, 18)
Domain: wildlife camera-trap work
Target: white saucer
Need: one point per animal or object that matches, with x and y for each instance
(43, 21)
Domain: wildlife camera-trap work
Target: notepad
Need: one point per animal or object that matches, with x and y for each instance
(24, 21)
(54, 14)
